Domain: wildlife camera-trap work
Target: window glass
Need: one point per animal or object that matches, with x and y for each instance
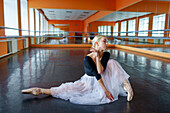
(31, 21)
(99, 30)
(102, 30)
(115, 30)
(11, 17)
(143, 25)
(158, 24)
(24, 16)
(131, 27)
(123, 28)
(105, 30)
(37, 22)
(109, 30)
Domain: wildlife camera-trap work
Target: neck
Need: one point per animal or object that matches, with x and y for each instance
(100, 53)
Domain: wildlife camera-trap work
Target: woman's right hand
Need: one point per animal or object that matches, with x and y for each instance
(109, 95)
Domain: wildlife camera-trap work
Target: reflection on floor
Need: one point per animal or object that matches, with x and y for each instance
(48, 67)
(78, 41)
(165, 50)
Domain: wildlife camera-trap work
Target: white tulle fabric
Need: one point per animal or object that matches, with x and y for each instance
(88, 91)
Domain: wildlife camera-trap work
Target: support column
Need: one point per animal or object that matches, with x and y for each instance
(167, 25)
(3, 45)
(112, 30)
(127, 23)
(137, 29)
(2, 31)
(29, 38)
(34, 26)
(20, 40)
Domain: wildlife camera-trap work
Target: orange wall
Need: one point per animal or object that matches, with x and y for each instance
(74, 25)
(20, 44)
(64, 28)
(20, 41)
(148, 6)
(166, 40)
(95, 17)
(19, 17)
(120, 4)
(93, 26)
(3, 45)
(74, 4)
(2, 32)
(3, 48)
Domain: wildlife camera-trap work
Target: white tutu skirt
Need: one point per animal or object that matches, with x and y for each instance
(88, 91)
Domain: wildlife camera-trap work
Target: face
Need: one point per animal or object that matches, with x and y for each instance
(103, 43)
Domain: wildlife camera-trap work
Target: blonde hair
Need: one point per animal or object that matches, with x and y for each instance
(96, 39)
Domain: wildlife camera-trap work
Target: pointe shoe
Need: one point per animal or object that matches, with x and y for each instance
(127, 87)
(34, 91)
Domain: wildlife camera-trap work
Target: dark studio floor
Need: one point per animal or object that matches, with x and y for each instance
(49, 67)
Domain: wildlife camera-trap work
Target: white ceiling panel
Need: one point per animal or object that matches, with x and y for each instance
(118, 15)
(65, 14)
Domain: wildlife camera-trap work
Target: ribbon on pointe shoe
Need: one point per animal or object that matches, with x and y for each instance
(127, 87)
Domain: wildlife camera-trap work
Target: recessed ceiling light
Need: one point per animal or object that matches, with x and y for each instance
(86, 12)
(50, 11)
(82, 15)
(68, 11)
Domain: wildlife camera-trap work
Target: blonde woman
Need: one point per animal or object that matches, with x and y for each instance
(104, 80)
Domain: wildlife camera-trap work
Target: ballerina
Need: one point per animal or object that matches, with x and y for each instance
(104, 80)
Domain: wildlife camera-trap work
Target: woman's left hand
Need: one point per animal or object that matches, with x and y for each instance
(109, 95)
(96, 52)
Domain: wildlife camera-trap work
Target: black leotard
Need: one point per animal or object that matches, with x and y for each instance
(90, 66)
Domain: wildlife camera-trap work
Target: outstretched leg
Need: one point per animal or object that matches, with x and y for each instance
(36, 91)
(127, 87)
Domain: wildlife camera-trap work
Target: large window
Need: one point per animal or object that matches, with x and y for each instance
(143, 26)
(59, 32)
(158, 24)
(51, 29)
(31, 21)
(11, 17)
(115, 30)
(109, 30)
(24, 17)
(45, 26)
(105, 30)
(41, 21)
(99, 30)
(37, 22)
(131, 27)
(102, 30)
(43, 29)
(123, 28)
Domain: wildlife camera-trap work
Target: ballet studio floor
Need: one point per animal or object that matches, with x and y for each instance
(49, 67)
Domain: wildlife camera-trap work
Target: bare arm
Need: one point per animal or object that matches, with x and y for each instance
(99, 66)
(100, 70)
(107, 93)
